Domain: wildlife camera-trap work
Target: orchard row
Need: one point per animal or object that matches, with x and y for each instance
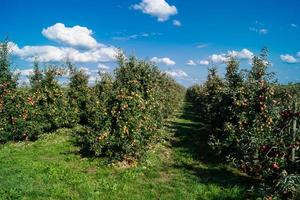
(253, 122)
(119, 117)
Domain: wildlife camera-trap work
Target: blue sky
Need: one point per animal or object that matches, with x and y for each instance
(183, 37)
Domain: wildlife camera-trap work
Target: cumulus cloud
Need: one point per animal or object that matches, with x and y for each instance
(57, 54)
(44, 53)
(156, 8)
(76, 36)
(245, 54)
(222, 58)
(176, 23)
(178, 73)
(103, 54)
(203, 62)
(288, 59)
(218, 58)
(73, 40)
(166, 61)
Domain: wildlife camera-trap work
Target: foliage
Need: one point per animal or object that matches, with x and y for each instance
(128, 112)
(16, 108)
(52, 106)
(98, 119)
(250, 120)
(118, 117)
(288, 187)
(78, 94)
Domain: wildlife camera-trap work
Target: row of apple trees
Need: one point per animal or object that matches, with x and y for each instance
(118, 117)
(253, 122)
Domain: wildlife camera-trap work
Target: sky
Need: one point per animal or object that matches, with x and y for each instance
(183, 38)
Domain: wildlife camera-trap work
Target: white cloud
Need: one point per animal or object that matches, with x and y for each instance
(194, 63)
(203, 62)
(191, 63)
(243, 55)
(294, 25)
(73, 40)
(262, 31)
(76, 36)
(222, 58)
(166, 61)
(178, 73)
(157, 8)
(102, 54)
(57, 54)
(176, 23)
(298, 54)
(218, 58)
(288, 59)
(44, 53)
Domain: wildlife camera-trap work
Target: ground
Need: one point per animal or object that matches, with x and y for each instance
(176, 168)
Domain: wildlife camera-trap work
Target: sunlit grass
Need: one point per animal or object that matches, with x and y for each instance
(52, 168)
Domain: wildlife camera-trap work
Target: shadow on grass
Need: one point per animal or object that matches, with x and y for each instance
(192, 136)
(191, 141)
(82, 150)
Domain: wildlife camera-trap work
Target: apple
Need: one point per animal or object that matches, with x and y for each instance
(275, 166)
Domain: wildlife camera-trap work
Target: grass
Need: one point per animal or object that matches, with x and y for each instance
(177, 168)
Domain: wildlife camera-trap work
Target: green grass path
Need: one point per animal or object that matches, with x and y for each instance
(52, 168)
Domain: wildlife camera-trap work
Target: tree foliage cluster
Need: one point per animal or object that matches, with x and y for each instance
(118, 117)
(253, 122)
